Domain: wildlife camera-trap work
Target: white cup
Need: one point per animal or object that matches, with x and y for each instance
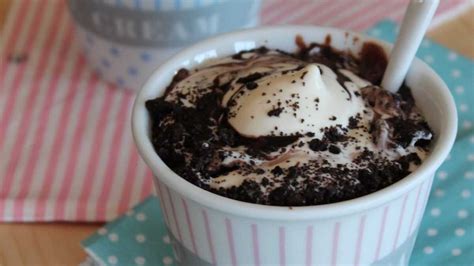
(125, 40)
(376, 229)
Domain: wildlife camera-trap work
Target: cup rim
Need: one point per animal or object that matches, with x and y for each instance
(439, 152)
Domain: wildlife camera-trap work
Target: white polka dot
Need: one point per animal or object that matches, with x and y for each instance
(432, 232)
(466, 193)
(428, 250)
(456, 252)
(428, 59)
(435, 212)
(471, 139)
(396, 29)
(467, 124)
(469, 175)
(166, 239)
(470, 157)
(456, 73)
(102, 231)
(452, 56)
(140, 238)
(167, 260)
(130, 212)
(463, 107)
(425, 43)
(112, 260)
(462, 214)
(113, 237)
(459, 232)
(375, 32)
(459, 89)
(442, 175)
(439, 192)
(141, 217)
(140, 260)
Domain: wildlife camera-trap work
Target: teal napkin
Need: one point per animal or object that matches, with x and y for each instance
(137, 238)
(446, 235)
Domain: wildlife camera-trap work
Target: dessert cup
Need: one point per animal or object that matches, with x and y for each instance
(376, 229)
(124, 41)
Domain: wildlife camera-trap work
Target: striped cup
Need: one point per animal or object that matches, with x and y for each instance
(125, 40)
(376, 229)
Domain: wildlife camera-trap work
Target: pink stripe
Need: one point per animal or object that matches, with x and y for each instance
(381, 233)
(147, 186)
(415, 209)
(6, 114)
(369, 13)
(342, 22)
(71, 164)
(256, 248)
(428, 190)
(94, 160)
(85, 197)
(38, 75)
(374, 15)
(318, 14)
(113, 155)
(282, 10)
(270, 6)
(26, 117)
(335, 243)
(350, 16)
(209, 237)
(162, 203)
(41, 130)
(173, 210)
(359, 240)
(190, 226)
(230, 241)
(427, 195)
(34, 154)
(130, 178)
(300, 13)
(400, 220)
(18, 23)
(446, 5)
(282, 249)
(277, 11)
(8, 109)
(309, 245)
(396, 15)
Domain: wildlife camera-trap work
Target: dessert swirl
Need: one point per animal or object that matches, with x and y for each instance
(269, 127)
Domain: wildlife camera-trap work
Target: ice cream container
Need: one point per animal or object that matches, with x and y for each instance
(125, 40)
(376, 229)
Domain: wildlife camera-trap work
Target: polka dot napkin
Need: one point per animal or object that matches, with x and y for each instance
(446, 235)
(137, 238)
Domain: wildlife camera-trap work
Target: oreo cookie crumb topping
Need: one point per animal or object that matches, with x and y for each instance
(318, 145)
(334, 149)
(275, 112)
(190, 132)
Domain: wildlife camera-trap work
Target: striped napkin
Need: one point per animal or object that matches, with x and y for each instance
(66, 152)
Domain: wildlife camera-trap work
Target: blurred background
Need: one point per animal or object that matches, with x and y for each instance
(69, 71)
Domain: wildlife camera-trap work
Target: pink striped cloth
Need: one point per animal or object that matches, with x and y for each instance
(66, 151)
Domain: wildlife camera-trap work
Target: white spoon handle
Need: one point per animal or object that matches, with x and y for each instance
(415, 22)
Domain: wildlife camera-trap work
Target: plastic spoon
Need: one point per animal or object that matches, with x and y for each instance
(415, 22)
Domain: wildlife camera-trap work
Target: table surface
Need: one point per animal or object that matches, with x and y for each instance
(58, 243)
